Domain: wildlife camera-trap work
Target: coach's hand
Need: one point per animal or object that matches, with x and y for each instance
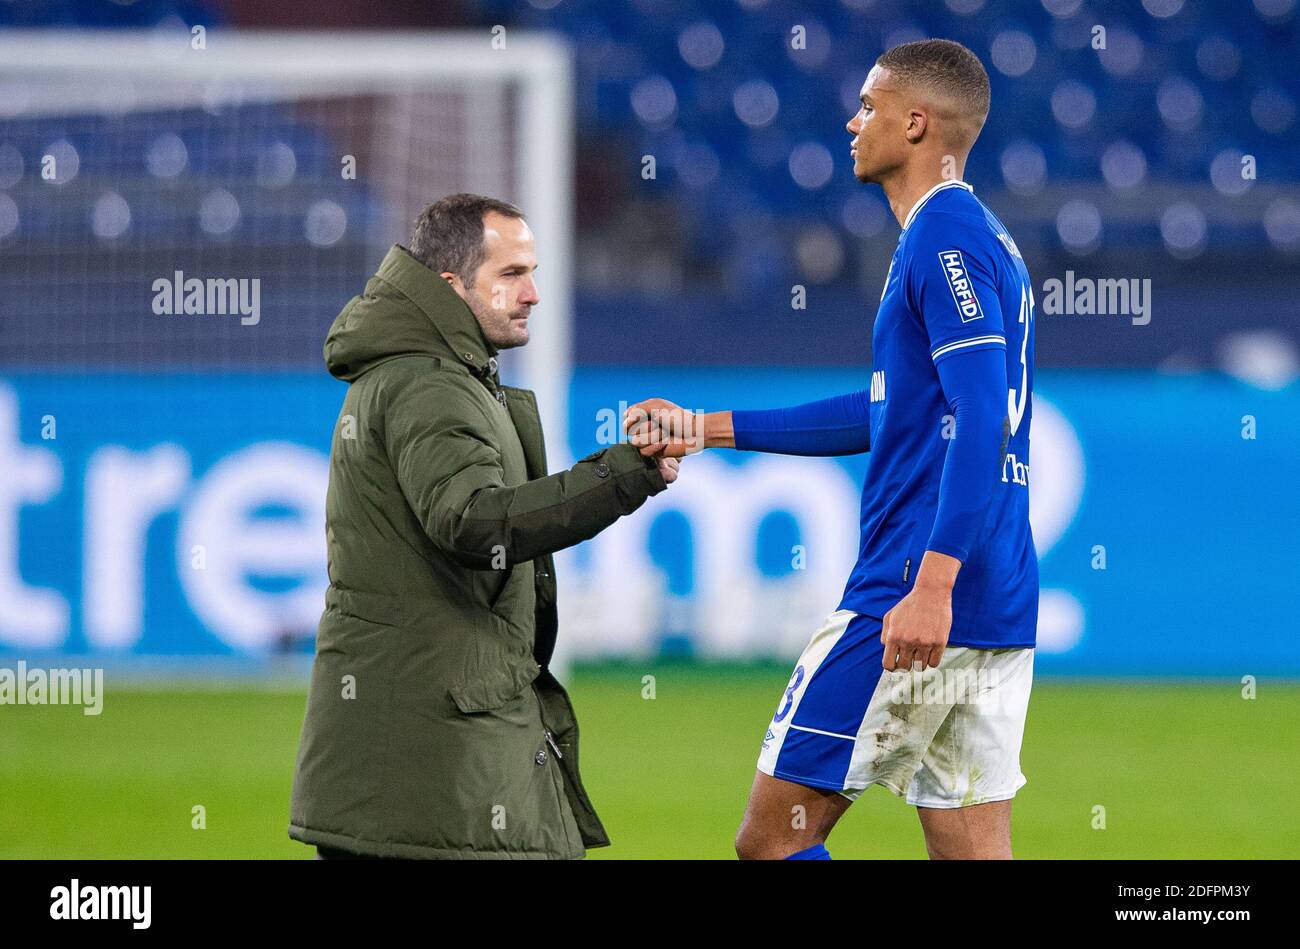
(668, 468)
(916, 629)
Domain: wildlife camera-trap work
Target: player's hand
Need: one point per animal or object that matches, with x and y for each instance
(658, 427)
(916, 629)
(668, 468)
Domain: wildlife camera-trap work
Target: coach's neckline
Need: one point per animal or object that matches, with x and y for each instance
(953, 183)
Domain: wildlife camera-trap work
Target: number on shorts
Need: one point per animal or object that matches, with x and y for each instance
(795, 681)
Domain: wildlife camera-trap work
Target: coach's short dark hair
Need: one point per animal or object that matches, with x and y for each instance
(944, 66)
(448, 235)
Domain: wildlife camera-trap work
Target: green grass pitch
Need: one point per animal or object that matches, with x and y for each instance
(1182, 770)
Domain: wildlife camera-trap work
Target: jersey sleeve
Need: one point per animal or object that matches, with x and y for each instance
(975, 386)
(840, 425)
(951, 285)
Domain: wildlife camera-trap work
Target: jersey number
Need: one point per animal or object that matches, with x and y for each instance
(1016, 406)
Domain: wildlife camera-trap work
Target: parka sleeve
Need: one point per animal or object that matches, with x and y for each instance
(452, 478)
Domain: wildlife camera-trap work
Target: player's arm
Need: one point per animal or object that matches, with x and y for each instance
(840, 425)
(953, 288)
(975, 387)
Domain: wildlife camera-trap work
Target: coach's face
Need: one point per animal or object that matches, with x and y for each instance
(879, 129)
(504, 292)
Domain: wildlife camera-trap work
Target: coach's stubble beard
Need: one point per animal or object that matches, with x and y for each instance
(504, 329)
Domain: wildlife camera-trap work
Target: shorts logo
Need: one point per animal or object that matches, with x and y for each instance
(878, 386)
(954, 268)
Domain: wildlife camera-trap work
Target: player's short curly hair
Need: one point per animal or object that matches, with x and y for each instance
(448, 234)
(945, 66)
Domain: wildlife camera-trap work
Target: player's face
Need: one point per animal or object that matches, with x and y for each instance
(879, 142)
(504, 291)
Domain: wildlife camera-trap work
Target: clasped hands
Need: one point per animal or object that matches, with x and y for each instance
(665, 431)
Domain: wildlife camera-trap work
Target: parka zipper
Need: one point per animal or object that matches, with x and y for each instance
(550, 740)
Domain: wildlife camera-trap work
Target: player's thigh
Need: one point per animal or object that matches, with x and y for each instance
(782, 818)
(977, 832)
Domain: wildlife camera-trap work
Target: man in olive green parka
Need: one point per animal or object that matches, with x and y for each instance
(434, 728)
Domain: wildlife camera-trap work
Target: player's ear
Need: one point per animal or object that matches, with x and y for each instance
(916, 125)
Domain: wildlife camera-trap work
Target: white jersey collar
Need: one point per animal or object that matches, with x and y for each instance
(951, 183)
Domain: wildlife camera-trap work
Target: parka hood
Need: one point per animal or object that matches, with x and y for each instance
(406, 309)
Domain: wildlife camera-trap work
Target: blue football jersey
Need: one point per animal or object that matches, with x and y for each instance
(957, 284)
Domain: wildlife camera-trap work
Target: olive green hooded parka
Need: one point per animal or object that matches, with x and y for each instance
(433, 726)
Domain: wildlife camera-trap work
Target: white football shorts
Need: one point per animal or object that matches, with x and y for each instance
(946, 737)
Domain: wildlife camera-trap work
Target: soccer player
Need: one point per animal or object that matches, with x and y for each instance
(945, 588)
